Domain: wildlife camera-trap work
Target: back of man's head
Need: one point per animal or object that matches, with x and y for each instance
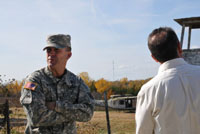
(163, 43)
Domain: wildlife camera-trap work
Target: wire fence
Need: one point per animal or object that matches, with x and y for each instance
(12, 118)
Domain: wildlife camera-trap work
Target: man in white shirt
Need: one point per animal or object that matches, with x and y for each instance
(170, 102)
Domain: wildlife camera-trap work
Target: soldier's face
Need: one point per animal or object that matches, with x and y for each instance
(57, 58)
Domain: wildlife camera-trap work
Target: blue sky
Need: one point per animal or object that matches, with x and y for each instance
(103, 32)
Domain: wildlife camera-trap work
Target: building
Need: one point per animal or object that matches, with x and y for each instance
(192, 56)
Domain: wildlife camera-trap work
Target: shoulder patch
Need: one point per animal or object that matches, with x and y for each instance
(30, 85)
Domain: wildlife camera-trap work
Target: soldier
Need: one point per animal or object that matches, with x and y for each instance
(53, 97)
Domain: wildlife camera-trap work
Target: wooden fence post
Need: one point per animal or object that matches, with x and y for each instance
(7, 116)
(107, 114)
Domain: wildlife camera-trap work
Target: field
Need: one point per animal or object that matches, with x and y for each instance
(120, 122)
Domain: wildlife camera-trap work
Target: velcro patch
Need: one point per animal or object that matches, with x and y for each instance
(30, 85)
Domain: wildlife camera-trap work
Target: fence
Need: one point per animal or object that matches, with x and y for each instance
(4, 110)
(11, 117)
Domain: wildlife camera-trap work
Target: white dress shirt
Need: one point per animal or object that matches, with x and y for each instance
(170, 102)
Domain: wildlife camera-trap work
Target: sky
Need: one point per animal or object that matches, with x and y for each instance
(108, 37)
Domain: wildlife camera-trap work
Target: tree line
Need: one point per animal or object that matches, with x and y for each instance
(122, 86)
(12, 87)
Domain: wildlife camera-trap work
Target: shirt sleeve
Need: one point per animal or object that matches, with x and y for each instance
(144, 119)
(82, 110)
(33, 102)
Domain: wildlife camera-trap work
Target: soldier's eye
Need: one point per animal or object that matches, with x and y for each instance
(48, 50)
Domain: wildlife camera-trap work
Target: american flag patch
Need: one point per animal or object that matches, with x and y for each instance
(30, 85)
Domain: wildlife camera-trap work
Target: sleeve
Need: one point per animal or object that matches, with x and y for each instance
(143, 116)
(81, 111)
(33, 102)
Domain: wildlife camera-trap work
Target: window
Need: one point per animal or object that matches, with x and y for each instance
(121, 102)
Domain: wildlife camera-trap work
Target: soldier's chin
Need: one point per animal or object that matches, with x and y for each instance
(51, 65)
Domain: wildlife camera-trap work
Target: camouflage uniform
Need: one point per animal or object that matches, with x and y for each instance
(73, 103)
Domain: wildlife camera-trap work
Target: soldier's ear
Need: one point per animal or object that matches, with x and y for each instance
(69, 54)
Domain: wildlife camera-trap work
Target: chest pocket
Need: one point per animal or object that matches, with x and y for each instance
(70, 93)
(49, 90)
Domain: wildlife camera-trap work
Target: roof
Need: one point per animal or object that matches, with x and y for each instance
(119, 95)
(192, 22)
(123, 98)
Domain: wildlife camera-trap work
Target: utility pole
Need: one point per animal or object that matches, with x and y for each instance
(113, 71)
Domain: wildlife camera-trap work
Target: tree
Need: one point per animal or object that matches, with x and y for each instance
(124, 83)
(109, 93)
(93, 87)
(15, 88)
(85, 77)
(10, 87)
(102, 85)
(88, 81)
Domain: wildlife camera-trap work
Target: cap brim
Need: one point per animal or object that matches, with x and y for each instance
(52, 45)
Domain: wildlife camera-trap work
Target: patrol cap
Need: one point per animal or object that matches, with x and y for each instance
(58, 41)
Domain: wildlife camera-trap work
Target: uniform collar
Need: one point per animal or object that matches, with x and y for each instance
(49, 73)
(65, 78)
(171, 64)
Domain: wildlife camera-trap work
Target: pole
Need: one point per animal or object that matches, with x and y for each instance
(107, 114)
(7, 117)
(182, 35)
(189, 37)
(113, 71)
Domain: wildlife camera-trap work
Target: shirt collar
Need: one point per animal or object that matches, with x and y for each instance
(171, 64)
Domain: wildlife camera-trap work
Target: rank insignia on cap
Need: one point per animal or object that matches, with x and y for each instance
(30, 85)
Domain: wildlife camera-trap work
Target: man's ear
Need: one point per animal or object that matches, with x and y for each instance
(180, 51)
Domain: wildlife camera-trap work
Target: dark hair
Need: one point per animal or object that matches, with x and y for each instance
(163, 43)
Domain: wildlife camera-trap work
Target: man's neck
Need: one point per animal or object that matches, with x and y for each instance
(57, 72)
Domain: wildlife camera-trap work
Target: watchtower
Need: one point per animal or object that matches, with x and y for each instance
(192, 56)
